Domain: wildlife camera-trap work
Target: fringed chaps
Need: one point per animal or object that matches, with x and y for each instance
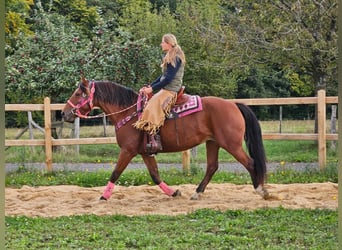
(157, 108)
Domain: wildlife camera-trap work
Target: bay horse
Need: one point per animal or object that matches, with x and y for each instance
(220, 124)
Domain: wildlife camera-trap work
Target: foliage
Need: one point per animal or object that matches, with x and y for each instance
(120, 59)
(207, 46)
(138, 19)
(298, 85)
(256, 83)
(287, 34)
(202, 229)
(44, 64)
(76, 11)
(16, 25)
(107, 10)
(233, 49)
(48, 63)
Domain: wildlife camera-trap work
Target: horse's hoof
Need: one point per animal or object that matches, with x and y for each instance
(177, 193)
(195, 196)
(262, 192)
(266, 196)
(102, 198)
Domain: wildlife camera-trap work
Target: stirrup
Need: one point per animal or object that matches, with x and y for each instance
(154, 144)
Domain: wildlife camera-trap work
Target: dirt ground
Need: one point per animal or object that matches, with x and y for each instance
(54, 201)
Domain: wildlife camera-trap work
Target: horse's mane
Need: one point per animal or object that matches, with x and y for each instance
(114, 93)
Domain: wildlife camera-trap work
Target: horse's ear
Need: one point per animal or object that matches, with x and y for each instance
(84, 80)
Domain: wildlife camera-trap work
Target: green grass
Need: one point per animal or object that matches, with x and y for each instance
(173, 176)
(276, 151)
(203, 229)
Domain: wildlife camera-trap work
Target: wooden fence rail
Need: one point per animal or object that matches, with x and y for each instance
(321, 100)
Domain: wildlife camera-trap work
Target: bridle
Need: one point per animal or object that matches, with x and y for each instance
(88, 100)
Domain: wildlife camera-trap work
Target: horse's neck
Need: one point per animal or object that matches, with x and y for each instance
(115, 113)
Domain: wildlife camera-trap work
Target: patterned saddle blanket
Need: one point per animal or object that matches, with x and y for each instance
(192, 104)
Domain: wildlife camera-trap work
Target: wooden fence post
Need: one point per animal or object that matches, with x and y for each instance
(333, 125)
(321, 112)
(104, 120)
(29, 115)
(48, 137)
(77, 133)
(186, 161)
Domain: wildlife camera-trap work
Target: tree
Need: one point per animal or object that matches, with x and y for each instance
(297, 37)
(50, 63)
(109, 12)
(77, 11)
(144, 22)
(233, 48)
(206, 44)
(117, 57)
(17, 13)
(44, 64)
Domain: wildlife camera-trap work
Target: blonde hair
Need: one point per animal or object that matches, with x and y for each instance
(174, 52)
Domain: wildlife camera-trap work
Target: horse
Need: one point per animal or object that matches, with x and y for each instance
(220, 124)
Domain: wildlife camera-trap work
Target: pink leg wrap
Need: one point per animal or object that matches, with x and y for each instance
(108, 190)
(167, 190)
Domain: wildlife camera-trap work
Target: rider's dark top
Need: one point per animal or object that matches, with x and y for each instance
(171, 79)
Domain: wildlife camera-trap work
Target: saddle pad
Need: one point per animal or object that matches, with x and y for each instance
(194, 104)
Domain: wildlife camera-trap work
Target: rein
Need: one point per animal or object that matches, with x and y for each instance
(89, 101)
(103, 114)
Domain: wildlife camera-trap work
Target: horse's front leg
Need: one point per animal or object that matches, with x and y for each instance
(124, 158)
(152, 167)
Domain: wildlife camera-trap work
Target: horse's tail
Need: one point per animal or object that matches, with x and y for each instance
(254, 143)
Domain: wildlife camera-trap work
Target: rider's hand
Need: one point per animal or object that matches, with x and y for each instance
(146, 90)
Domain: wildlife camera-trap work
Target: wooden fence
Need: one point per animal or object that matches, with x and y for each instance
(321, 100)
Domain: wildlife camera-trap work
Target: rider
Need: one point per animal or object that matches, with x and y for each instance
(167, 85)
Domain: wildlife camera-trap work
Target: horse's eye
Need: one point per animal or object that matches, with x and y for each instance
(78, 94)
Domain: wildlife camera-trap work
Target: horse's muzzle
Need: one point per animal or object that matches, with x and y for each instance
(68, 116)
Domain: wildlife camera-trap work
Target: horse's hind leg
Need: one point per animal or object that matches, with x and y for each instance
(152, 167)
(212, 166)
(241, 156)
